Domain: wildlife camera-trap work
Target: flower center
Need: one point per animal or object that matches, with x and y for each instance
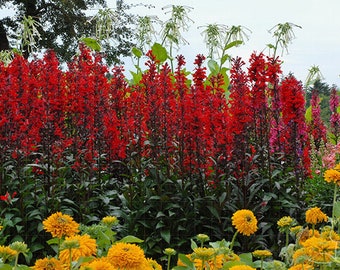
(248, 219)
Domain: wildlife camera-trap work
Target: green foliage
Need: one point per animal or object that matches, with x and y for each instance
(166, 212)
(91, 43)
(159, 52)
(43, 190)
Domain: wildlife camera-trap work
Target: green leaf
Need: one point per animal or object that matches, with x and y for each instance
(225, 58)
(247, 258)
(213, 211)
(91, 43)
(308, 114)
(166, 236)
(160, 225)
(221, 199)
(136, 77)
(35, 214)
(80, 261)
(220, 244)
(193, 244)
(131, 239)
(213, 66)
(5, 267)
(159, 52)
(181, 268)
(336, 210)
(104, 238)
(230, 264)
(36, 246)
(160, 214)
(53, 241)
(184, 259)
(234, 43)
(137, 52)
(226, 79)
(268, 196)
(21, 267)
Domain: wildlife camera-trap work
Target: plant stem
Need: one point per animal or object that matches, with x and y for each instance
(70, 258)
(334, 201)
(233, 240)
(16, 260)
(287, 238)
(59, 243)
(169, 257)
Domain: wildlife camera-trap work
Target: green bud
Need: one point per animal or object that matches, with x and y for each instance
(169, 251)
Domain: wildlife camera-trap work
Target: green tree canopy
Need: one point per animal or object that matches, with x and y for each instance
(62, 23)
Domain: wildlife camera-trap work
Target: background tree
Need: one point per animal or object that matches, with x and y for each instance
(63, 23)
(323, 90)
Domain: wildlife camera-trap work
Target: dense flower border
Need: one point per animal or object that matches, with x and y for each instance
(82, 247)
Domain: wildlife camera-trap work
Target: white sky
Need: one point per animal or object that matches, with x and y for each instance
(317, 43)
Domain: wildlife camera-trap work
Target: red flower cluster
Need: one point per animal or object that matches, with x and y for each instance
(317, 128)
(293, 139)
(334, 102)
(194, 127)
(7, 197)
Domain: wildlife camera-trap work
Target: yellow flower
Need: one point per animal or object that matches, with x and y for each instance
(321, 250)
(86, 247)
(110, 221)
(60, 225)
(99, 264)
(1, 227)
(242, 267)
(204, 253)
(244, 221)
(302, 266)
(285, 221)
(329, 234)
(305, 234)
(231, 257)
(212, 264)
(301, 254)
(47, 264)
(153, 264)
(262, 254)
(217, 262)
(7, 253)
(332, 175)
(337, 167)
(126, 256)
(315, 215)
(296, 229)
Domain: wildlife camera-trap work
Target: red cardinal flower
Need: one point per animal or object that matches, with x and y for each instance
(7, 197)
